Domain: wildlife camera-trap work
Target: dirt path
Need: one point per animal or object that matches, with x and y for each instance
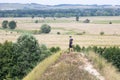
(89, 67)
(72, 66)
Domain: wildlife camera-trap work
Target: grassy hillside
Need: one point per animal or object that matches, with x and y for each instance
(36, 73)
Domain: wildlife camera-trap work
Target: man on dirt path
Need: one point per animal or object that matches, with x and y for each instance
(70, 44)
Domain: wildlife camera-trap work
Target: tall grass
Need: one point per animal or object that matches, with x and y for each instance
(106, 69)
(36, 73)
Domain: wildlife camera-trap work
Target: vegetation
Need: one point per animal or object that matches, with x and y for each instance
(58, 33)
(111, 54)
(102, 33)
(5, 24)
(18, 59)
(37, 72)
(61, 12)
(77, 18)
(107, 70)
(55, 49)
(12, 25)
(36, 21)
(45, 28)
(110, 22)
(67, 67)
(86, 21)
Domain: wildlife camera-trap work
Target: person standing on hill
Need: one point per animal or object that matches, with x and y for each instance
(70, 44)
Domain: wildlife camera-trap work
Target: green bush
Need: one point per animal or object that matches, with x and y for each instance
(12, 25)
(102, 33)
(112, 54)
(86, 21)
(18, 59)
(5, 24)
(58, 33)
(77, 48)
(45, 28)
(55, 49)
(36, 21)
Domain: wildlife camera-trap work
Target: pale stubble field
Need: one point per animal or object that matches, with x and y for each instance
(68, 26)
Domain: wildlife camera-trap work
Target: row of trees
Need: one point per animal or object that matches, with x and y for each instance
(11, 24)
(18, 59)
(60, 12)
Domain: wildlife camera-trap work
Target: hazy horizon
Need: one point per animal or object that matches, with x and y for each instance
(56, 2)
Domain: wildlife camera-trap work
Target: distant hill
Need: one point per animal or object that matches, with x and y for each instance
(16, 6)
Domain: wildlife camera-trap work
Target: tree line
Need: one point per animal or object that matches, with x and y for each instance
(61, 12)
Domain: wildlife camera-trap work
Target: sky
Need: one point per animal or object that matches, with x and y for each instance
(55, 2)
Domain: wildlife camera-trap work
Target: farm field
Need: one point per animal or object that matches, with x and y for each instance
(67, 27)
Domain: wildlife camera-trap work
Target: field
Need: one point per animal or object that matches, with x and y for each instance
(84, 34)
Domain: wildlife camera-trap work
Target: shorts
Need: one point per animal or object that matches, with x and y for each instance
(70, 46)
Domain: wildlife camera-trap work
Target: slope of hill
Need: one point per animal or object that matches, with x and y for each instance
(15, 6)
(73, 66)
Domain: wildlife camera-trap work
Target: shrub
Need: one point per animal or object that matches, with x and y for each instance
(45, 52)
(86, 21)
(77, 48)
(110, 22)
(58, 33)
(112, 54)
(55, 49)
(82, 33)
(102, 33)
(58, 49)
(45, 28)
(36, 21)
(5, 24)
(79, 33)
(12, 25)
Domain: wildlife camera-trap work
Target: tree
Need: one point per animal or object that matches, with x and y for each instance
(12, 25)
(29, 42)
(5, 24)
(27, 54)
(18, 59)
(45, 28)
(77, 18)
(33, 16)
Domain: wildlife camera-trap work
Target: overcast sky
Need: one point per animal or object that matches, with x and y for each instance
(54, 2)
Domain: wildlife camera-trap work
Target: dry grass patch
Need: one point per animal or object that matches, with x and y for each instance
(105, 68)
(36, 73)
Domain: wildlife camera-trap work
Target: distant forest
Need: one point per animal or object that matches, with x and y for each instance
(61, 12)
